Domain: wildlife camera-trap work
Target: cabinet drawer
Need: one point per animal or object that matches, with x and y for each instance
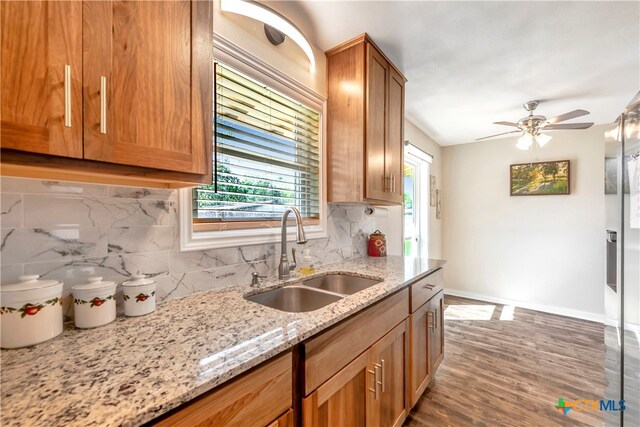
(425, 289)
(256, 398)
(330, 351)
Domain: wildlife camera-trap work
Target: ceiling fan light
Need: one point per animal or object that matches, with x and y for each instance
(525, 141)
(542, 139)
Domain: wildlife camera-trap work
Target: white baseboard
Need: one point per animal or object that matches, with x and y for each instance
(594, 317)
(627, 325)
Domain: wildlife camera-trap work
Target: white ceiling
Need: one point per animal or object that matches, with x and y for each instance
(470, 64)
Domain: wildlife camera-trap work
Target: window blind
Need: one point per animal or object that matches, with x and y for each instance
(266, 155)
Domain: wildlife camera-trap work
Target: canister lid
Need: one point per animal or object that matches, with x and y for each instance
(29, 282)
(376, 233)
(93, 283)
(139, 280)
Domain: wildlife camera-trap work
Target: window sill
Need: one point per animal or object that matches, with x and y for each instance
(193, 240)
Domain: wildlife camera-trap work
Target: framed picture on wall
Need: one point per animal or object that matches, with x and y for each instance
(541, 178)
(432, 190)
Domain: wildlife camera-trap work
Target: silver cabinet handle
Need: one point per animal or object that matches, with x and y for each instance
(435, 320)
(374, 390)
(393, 182)
(103, 104)
(387, 183)
(67, 95)
(382, 370)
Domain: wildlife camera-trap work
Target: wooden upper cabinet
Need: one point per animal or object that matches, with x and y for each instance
(376, 178)
(143, 83)
(365, 124)
(394, 147)
(41, 77)
(115, 92)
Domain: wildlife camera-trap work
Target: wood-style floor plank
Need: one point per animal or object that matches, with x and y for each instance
(512, 372)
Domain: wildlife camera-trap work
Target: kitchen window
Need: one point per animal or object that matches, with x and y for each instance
(267, 156)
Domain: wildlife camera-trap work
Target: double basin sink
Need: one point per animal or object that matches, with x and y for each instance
(314, 293)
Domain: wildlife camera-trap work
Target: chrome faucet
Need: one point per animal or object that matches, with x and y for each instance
(285, 266)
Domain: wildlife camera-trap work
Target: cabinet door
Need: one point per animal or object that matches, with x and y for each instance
(436, 340)
(394, 147)
(388, 361)
(41, 77)
(343, 399)
(421, 324)
(286, 420)
(148, 83)
(376, 179)
(256, 398)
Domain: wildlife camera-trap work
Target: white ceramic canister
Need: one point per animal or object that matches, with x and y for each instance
(30, 312)
(139, 296)
(94, 303)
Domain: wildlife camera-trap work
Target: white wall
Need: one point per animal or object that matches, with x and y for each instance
(544, 252)
(421, 140)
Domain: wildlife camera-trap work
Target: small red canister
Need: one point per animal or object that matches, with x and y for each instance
(377, 244)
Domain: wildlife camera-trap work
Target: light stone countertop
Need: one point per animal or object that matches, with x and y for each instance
(135, 369)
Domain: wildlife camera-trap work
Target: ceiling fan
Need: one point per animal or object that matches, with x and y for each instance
(532, 126)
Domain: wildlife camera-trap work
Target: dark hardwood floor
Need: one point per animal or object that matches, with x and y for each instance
(503, 372)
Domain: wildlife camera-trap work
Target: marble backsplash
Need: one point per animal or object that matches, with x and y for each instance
(70, 231)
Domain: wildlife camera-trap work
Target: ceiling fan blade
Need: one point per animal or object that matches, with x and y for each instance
(568, 126)
(567, 116)
(498, 134)
(506, 124)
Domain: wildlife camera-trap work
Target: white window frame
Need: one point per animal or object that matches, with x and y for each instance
(422, 164)
(232, 55)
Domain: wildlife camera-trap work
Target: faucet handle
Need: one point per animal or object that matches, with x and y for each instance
(255, 279)
(292, 265)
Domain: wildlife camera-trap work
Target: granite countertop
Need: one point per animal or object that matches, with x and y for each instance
(135, 369)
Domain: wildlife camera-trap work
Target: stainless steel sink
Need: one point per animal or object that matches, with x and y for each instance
(340, 283)
(294, 299)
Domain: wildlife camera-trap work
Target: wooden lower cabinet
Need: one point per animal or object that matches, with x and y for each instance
(343, 399)
(426, 345)
(368, 391)
(420, 323)
(389, 356)
(286, 420)
(436, 340)
(261, 397)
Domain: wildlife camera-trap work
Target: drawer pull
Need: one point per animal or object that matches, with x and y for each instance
(67, 95)
(103, 104)
(376, 381)
(427, 286)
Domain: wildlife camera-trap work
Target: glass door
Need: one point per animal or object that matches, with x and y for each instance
(622, 290)
(630, 292)
(411, 208)
(416, 202)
